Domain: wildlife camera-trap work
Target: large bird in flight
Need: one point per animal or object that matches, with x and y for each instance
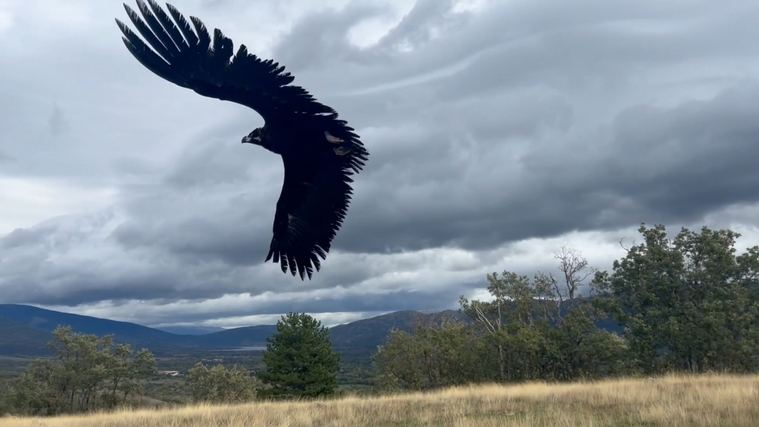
(320, 152)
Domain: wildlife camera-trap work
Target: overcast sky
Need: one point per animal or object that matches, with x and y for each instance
(499, 131)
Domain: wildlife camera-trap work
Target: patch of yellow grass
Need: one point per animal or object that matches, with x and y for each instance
(708, 400)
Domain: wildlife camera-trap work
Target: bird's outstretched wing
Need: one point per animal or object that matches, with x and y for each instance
(316, 191)
(310, 210)
(184, 54)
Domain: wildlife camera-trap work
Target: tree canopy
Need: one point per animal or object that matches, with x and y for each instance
(299, 359)
(220, 384)
(687, 303)
(87, 373)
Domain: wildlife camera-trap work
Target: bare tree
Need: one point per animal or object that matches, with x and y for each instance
(575, 269)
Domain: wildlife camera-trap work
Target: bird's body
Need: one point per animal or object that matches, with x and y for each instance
(319, 151)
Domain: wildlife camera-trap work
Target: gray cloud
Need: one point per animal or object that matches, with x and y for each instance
(322, 37)
(496, 135)
(57, 123)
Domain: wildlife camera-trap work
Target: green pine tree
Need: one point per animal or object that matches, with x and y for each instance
(299, 359)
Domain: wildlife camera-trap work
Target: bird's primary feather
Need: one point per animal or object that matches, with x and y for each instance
(320, 152)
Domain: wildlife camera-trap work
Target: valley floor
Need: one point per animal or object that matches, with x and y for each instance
(709, 400)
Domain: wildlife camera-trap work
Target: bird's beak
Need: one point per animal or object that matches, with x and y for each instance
(249, 140)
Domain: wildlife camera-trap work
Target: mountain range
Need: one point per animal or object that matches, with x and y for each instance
(26, 330)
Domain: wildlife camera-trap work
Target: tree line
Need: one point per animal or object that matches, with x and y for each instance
(300, 363)
(687, 303)
(89, 373)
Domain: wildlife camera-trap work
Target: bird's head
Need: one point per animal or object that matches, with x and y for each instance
(255, 137)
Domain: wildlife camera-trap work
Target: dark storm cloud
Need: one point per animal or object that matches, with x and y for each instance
(58, 264)
(54, 264)
(467, 157)
(694, 158)
(520, 120)
(657, 165)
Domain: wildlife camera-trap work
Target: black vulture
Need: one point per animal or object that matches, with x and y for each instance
(320, 152)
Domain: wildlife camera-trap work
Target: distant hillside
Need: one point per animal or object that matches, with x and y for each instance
(190, 330)
(361, 338)
(249, 336)
(25, 330)
(18, 339)
(46, 321)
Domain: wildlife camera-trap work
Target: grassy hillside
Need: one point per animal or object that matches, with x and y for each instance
(713, 400)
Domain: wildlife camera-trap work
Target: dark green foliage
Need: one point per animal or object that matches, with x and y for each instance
(451, 354)
(87, 373)
(570, 349)
(433, 356)
(530, 329)
(579, 349)
(299, 359)
(687, 303)
(219, 384)
(501, 321)
(5, 391)
(539, 329)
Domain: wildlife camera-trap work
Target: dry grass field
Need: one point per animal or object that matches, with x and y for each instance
(711, 400)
